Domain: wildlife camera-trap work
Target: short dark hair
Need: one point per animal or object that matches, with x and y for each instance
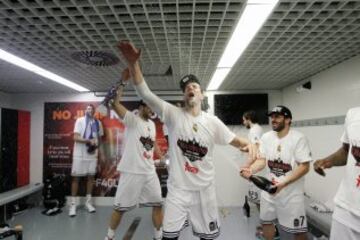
(251, 115)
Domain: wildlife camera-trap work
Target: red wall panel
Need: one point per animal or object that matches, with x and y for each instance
(23, 150)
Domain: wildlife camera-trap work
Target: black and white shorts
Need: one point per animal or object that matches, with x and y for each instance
(134, 189)
(81, 168)
(199, 208)
(291, 216)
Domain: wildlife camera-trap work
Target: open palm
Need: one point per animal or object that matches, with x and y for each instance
(129, 51)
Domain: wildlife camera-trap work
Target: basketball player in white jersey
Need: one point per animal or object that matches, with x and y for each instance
(286, 155)
(139, 183)
(192, 136)
(346, 216)
(250, 121)
(87, 134)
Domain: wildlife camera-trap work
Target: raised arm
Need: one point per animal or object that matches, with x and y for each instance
(119, 108)
(132, 55)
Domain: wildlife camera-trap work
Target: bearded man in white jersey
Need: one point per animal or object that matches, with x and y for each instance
(138, 182)
(192, 136)
(346, 216)
(286, 155)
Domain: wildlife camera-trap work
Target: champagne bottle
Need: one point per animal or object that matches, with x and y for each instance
(263, 183)
(246, 207)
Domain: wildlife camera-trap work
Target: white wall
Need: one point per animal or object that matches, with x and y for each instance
(333, 92)
(5, 100)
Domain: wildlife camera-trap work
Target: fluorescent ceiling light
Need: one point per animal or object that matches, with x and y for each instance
(217, 78)
(8, 57)
(253, 17)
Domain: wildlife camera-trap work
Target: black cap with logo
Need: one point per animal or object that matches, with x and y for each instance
(188, 79)
(281, 110)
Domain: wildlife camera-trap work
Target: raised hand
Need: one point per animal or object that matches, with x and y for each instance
(129, 51)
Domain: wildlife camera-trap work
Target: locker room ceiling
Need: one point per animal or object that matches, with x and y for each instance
(299, 39)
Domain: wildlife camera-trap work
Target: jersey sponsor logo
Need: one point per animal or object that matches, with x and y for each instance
(355, 151)
(147, 142)
(278, 167)
(192, 149)
(358, 182)
(190, 168)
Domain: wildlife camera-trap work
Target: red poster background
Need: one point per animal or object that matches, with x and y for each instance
(59, 120)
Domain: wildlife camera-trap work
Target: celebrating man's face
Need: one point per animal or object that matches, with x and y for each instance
(277, 122)
(193, 94)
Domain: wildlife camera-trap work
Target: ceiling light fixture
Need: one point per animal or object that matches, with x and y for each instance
(253, 17)
(8, 57)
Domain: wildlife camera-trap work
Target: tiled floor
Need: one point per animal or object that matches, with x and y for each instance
(86, 226)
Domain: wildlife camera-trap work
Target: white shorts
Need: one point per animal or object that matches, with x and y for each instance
(81, 168)
(254, 193)
(345, 225)
(291, 217)
(134, 189)
(197, 207)
(340, 231)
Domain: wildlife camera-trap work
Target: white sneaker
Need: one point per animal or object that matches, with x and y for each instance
(72, 210)
(90, 207)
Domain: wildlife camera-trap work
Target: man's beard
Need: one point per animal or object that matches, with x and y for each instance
(279, 128)
(191, 102)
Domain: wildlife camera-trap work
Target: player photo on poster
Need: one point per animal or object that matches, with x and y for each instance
(59, 121)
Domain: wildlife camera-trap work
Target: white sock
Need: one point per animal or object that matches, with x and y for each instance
(88, 198)
(111, 233)
(73, 200)
(157, 233)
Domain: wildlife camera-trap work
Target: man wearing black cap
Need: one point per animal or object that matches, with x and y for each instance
(138, 182)
(192, 136)
(286, 155)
